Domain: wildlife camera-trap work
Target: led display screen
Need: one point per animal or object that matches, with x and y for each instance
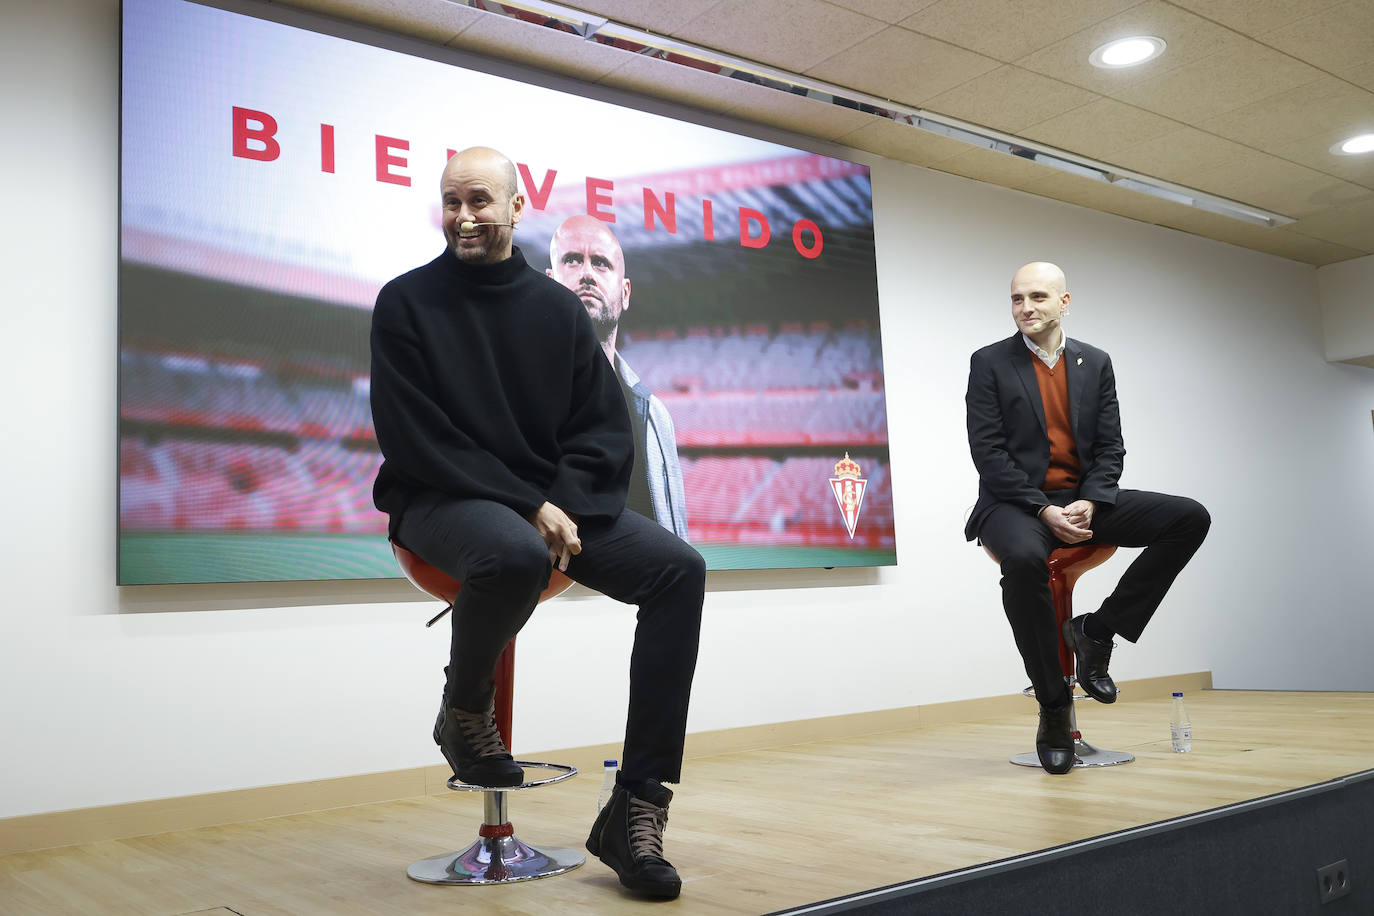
(273, 178)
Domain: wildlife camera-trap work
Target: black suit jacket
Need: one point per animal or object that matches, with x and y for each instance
(1007, 434)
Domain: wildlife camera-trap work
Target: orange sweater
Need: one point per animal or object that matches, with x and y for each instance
(1054, 395)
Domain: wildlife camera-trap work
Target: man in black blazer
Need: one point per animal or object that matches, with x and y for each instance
(1045, 434)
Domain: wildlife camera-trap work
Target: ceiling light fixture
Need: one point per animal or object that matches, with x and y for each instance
(1127, 52)
(553, 15)
(1355, 146)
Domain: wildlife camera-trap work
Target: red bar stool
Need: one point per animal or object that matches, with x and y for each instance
(498, 856)
(1066, 565)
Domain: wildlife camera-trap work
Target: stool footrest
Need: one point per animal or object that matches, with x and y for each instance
(1029, 691)
(561, 771)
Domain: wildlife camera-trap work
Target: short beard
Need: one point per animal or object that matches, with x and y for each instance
(605, 326)
(480, 255)
(604, 319)
(470, 255)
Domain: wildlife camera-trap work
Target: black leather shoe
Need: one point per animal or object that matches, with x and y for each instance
(628, 836)
(473, 747)
(1093, 656)
(1054, 739)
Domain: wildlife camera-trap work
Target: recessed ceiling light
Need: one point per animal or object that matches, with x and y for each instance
(1127, 52)
(1363, 143)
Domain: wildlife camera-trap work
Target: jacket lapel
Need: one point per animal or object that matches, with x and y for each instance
(1020, 357)
(1073, 356)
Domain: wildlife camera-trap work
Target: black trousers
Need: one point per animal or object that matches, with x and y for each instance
(1170, 528)
(504, 565)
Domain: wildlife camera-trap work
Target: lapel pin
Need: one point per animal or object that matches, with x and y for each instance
(1080, 360)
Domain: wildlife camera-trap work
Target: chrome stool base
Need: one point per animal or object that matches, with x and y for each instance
(496, 860)
(498, 856)
(1084, 755)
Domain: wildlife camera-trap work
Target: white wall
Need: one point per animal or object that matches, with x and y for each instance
(116, 695)
(1346, 294)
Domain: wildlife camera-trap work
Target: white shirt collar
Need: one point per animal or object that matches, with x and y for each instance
(1046, 357)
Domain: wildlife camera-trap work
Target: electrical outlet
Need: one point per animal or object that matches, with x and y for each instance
(1333, 881)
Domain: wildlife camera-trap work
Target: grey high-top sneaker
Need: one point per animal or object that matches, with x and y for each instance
(473, 747)
(628, 836)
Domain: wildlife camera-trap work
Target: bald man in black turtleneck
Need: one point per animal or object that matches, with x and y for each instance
(508, 450)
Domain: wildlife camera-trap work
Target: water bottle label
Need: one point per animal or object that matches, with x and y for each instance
(1182, 738)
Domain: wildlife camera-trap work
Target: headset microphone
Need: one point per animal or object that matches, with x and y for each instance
(468, 225)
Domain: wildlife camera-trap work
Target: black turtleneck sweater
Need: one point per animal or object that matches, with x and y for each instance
(488, 383)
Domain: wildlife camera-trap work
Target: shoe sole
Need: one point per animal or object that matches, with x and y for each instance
(1071, 638)
(662, 892)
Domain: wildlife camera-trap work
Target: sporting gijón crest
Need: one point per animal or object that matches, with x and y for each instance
(848, 488)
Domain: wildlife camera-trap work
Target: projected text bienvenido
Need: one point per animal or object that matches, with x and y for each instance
(255, 137)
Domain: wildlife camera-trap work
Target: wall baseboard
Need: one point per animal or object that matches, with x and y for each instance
(188, 812)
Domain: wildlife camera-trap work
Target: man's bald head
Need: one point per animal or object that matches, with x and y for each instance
(1043, 273)
(581, 230)
(478, 186)
(493, 163)
(1039, 299)
(585, 256)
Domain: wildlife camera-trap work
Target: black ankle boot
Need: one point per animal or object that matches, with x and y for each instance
(1092, 657)
(1054, 739)
(628, 836)
(473, 747)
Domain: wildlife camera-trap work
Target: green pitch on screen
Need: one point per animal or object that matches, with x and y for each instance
(161, 559)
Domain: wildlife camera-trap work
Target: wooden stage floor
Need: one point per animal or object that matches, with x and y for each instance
(751, 832)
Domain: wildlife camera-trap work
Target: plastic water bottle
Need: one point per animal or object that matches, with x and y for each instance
(607, 783)
(1179, 726)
